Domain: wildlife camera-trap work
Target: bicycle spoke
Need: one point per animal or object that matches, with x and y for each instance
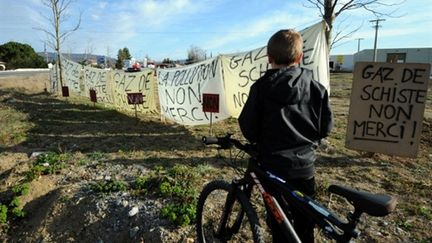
(237, 227)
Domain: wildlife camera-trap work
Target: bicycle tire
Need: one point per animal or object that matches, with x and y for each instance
(206, 214)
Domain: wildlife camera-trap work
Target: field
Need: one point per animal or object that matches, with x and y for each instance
(110, 177)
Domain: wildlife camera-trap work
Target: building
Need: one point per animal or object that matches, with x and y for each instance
(341, 63)
(396, 55)
(393, 55)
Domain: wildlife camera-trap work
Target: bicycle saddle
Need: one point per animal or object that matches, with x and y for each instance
(372, 204)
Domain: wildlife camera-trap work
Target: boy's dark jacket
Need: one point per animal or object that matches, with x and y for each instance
(287, 114)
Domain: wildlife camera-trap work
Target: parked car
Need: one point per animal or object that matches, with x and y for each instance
(131, 65)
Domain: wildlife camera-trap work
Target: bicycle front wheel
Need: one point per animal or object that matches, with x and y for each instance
(241, 222)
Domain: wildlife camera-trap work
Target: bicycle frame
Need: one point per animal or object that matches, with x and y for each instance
(331, 225)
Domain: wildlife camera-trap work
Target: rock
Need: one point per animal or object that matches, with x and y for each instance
(133, 232)
(133, 211)
(36, 154)
(399, 231)
(107, 178)
(121, 202)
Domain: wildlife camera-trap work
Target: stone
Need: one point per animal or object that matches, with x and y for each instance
(133, 211)
(133, 232)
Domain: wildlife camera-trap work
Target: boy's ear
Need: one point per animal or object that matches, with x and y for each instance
(270, 59)
(299, 58)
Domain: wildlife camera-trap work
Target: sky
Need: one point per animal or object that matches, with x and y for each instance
(161, 29)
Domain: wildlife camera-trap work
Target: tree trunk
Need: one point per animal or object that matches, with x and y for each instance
(57, 34)
(329, 19)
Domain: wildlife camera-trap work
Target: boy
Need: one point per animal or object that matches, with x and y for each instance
(287, 114)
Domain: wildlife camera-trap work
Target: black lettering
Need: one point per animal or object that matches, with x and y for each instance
(365, 91)
(248, 56)
(366, 73)
(410, 75)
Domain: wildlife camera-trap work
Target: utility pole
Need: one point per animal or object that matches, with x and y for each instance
(358, 44)
(376, 36)
(46, 53)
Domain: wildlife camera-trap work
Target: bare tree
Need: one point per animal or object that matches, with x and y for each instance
(56, 36)
(195, 54)
(331, 9)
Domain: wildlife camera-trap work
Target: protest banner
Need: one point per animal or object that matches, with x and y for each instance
(241, 70)
(53, 80)
(181, 90)
(136, 82)
(73, 76)
(100, 81)
(387, 107)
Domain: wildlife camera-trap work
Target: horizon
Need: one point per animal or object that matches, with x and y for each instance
(167, 29)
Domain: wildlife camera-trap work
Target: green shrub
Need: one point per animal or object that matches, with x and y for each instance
(108, 186)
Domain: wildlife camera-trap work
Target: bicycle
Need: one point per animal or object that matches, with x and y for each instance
(239, 222)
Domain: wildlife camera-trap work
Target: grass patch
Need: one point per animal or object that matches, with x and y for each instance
(14, 126)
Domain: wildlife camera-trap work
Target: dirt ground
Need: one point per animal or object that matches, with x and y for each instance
(103, 143)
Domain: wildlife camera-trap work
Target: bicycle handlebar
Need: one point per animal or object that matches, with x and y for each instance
(227, 142)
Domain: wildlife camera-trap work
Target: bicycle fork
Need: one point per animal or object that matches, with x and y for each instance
(224, 231)
(277, 212)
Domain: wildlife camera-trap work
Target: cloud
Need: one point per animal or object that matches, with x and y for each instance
(266, 24)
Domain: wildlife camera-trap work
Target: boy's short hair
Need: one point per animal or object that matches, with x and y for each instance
(285, 46)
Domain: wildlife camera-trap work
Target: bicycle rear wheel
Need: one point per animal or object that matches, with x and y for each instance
(242, 223)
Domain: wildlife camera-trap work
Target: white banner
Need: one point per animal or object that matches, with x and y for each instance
(72, 76)
(137, 82)
(181, 90)
(241, 70)
(100, 81)
(53, 80)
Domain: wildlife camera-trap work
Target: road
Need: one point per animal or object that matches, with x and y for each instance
(24, 72)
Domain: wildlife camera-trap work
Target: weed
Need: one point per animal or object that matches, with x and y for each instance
(407, 224)
(15, 202)
(18, 213)
(179, 184)
(96, 155)
(65, 198)
(15, 205)
(22, 189)
(425, 212)
(108, 186)
(48, 163)
(83, 162)
(180, 214)
(3, 214)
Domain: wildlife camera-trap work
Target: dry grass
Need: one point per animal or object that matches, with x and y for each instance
(41, 122)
